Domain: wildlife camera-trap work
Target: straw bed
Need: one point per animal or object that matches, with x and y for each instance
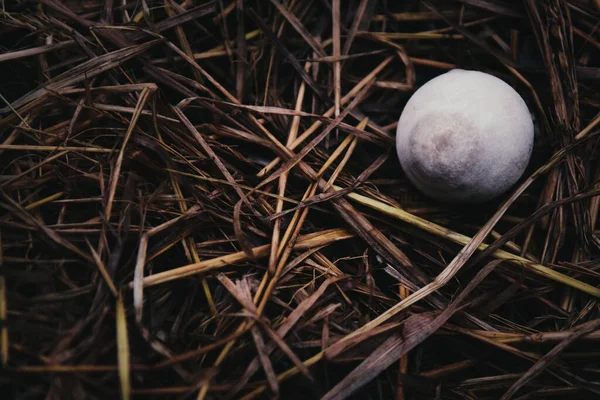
(202, 200)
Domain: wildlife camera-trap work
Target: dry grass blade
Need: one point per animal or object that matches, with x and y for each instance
(185, 45)
(237, 291)
(467, 34)
(358, 18)
(549, 357)
(55, 148)
(339, 347)
(286, 53)
(239, 233)
(415, 330)
(138, 276)
(284, 329)
(352, 93)
(287, 351)
(123, 350)
(3, 315)
(337, 66)
(265, 362)
(381, 358)
(114, 179)
(14, 55)
(103, 271)
(304, 242)
(494, 7)
(84, 71)
(210, 152)
(297, 25)
(317, 139)
(458, 238)
(49, 234)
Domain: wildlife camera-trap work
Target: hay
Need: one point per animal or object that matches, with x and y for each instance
(201, 199)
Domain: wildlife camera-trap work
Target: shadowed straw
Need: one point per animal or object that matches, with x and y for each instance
(201, 199)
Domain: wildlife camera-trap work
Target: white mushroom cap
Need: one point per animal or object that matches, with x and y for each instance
(464, 136)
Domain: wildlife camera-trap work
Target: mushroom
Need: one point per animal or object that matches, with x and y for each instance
(464, 137)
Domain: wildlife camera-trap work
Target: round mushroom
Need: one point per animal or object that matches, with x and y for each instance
(464, 137)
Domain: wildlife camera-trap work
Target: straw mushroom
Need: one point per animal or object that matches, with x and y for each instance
(464, 137)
